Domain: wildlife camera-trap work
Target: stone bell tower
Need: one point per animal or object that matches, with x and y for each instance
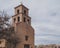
(23, 28)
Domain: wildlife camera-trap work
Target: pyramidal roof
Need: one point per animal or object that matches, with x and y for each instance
(21, 5)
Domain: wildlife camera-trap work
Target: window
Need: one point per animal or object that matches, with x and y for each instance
(17, 11)
(26, 38)
(41, 47)
(55, 47)
(28, 21)
(24, 19)
(26, 46)
(25, 12)
(14, 19)
(59, 46)
(0, 42)
(18, 19)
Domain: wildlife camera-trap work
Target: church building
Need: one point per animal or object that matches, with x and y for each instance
(22, 27)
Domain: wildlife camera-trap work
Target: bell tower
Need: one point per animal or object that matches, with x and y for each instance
(21, 15)
(23, 28)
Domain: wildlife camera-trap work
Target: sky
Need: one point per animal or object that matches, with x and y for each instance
(45, 16)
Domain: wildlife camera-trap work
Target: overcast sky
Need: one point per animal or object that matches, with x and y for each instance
(45, 16)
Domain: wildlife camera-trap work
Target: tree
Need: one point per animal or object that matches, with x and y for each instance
(7, 30)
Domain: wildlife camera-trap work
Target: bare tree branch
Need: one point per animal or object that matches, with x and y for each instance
(7, 31)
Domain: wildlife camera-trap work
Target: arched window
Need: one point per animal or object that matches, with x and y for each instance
(26, 46)
(18, 19)
(0, 42)
(25, 12)
(18, 11)
(26, 38)
(14, 20)
(28, 21)
(59, 46)
(55, 47)
(24, 19)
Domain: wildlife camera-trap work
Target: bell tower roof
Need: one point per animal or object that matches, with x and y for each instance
(22, 6)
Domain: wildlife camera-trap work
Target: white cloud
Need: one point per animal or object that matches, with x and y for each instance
(45, 18)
